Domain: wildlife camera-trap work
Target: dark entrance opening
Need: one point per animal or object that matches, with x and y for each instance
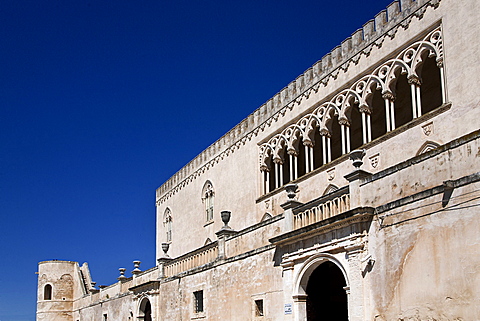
(146, 310)
(326, 296)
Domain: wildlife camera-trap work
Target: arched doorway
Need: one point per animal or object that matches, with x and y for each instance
(145, 310)
(326, 296)
(320, 289)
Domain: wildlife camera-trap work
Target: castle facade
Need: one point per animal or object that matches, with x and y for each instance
(352, 194)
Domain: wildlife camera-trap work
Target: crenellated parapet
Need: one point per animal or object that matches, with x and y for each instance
(398, 15)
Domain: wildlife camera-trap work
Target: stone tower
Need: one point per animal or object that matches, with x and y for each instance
(56, 290)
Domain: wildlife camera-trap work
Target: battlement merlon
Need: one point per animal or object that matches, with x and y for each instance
(384, 24)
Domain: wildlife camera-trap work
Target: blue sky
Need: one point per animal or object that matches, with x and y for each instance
(102, 101)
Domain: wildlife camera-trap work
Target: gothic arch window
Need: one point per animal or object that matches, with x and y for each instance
(335, 136)
(379, 125)
(300, 147)
(403, 100)
(431, 89)
(47, 292)
(208, 195)
(355, 126)
(167, 220)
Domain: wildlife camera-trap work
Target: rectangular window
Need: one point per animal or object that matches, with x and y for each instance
(105, 317)
(258, 308)
(198, 301)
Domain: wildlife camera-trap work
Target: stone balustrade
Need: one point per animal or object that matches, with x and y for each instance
(199, 257)
(322, 208)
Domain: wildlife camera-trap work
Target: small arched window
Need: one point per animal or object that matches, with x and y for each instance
(208, 195)
(47, 292)
(168, 224)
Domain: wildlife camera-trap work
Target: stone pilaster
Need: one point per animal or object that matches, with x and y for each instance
(288, 275)
(356, 309)
(300, 307)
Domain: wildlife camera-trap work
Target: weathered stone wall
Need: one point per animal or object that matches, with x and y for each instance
(229, 291)
(427, 267)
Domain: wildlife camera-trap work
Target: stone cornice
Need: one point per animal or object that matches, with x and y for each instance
(371, 35)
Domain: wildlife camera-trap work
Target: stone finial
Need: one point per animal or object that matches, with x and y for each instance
(122, 276)
(165, 247)
(226, 230)
(291, 190)
(226, 215)
(136, 265)
(356, 156)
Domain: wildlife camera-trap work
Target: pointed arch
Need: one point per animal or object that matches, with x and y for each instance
(266, 216)
(208, 195)
(427, 146)
(330, 189)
